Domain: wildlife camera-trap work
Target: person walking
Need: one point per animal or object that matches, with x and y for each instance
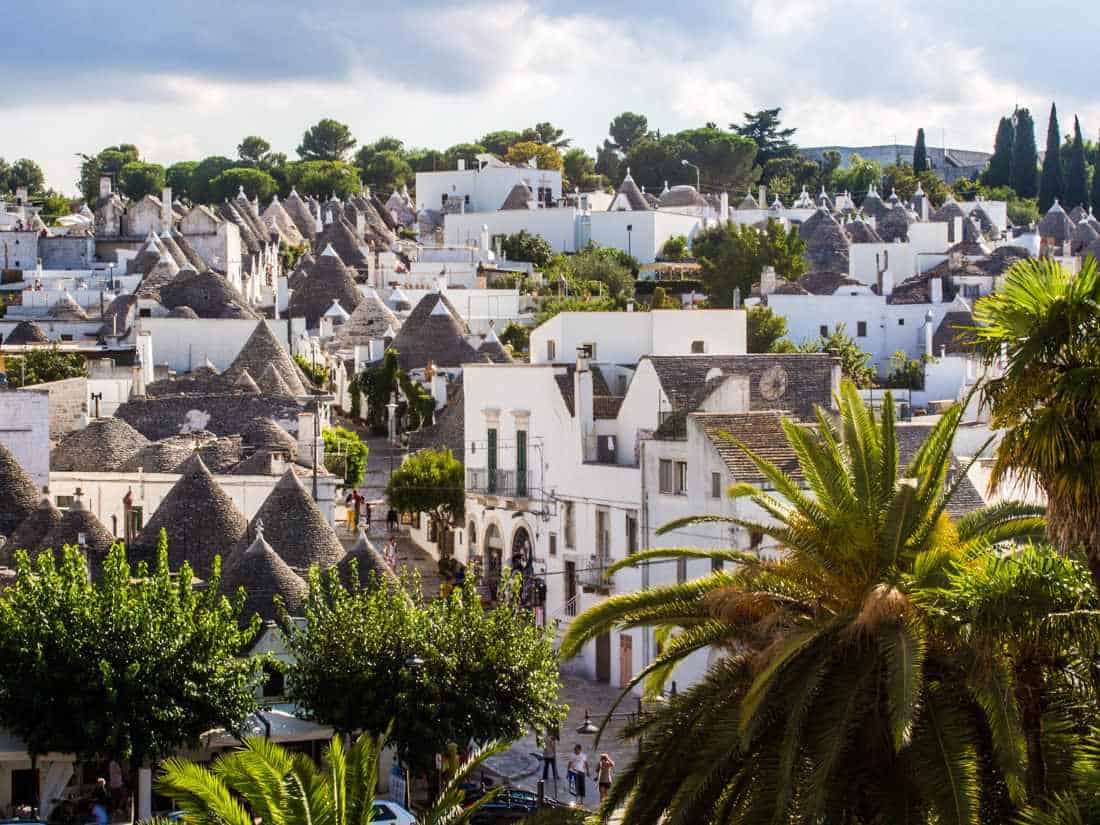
(117, 786)
(366, 513)
(604, 776)
(550, 756)
(349, 511)
(391, 520)
(101, 801)
(578, 773)
(357, 500)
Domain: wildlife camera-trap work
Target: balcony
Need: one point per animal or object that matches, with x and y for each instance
(502, 483)
(593, 577)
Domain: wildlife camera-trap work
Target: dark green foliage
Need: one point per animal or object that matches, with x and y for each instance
(202, 177)
(345, 455)
(255, 182)
(462, 151)
(24, 172)
(380, 384)
(725, 159)
(108, 162)
(317, 373)
(524, 246)
(763, 128)
(675, 249)
(905, 373)
(37, 366)
(442, 671)
(499, 142)
(1025, 156)
(322, 178)
(179, 176)
(626, 130)
(254, 150)
(766, 328)
(328, 139)
(1077, 175)
(855, 364)
(999, 171)
(1051, 185)
(920, 154)
(432, 482)
(732, 257)
(137, 179)
(516, 336)
(578, 170)
(132, 667)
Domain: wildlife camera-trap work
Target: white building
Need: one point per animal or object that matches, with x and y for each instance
(485, 186)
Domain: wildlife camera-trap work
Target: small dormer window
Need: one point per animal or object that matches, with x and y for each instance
(698, 347)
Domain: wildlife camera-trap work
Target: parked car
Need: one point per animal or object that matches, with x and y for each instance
(390, 813)
(510, 806)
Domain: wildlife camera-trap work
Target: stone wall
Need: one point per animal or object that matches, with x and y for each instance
(24, 419)
(68, 405)
(63, 252)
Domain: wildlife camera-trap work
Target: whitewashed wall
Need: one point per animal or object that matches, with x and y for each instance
(183, 343)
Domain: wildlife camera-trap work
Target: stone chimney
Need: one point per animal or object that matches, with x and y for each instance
(462, 164)
(166, 209)
(724, 207)
(104, 185)
(582, 396)
(308, 439)
(483, 241)
(928, 335)
(762, 201)
(937, 290)
(439, 390)
(956, 230)
(767, 281)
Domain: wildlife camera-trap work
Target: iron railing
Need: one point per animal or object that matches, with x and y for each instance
(504, 483)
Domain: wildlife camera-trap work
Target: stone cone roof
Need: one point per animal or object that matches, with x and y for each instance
(810, 225)
(164, 456)
(383, 213)
(340, 235)
(948, 212)
(1084, 233)
(264, 576)
(874, 206)
(158, 277)
(265, 433)
(200, 519)
(221, 454)
(495, 351)
(301, 271)
(262, 350)
(193, 257)
(827, 248)
(272, 383)
(299, 212)
(208, 294)
(894, 225)
(296, 527)
(748, 202)
(328, 280)
(105, 445)
(28, 535)
(379, 226)
(66, 308)
(989, 228)
(1056, 224)
(26, 332)
(278, 219)
(432, 334)
(183, 312)
(859, 231)
(18, 495)
(370, 321)
(98, 540)
(175, 250)
(520, 197)
(629, 192)
(244, 383)
(148, 254)
(371, 568)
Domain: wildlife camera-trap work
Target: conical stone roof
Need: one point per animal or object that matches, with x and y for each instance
(207, 293)
(105, 445)
(948, 212)
(1056, 224)
(433, 333)
(277, 218)
(272, 383)
(80, 521)
(340, 235)
(370, 567)
(873, 206)
(491, 347)
(265, 433)
(299, 212)
(296, 527)
(200, 519)
(26, 332)
(18, 496)
(328, 280)
(244, 383)
(859, 231)
(66, 308)
(894, 225)
(262, 350)
(370, 321)
(28, 535)
(301, 270)
(264, 576)
(158, 277)
(827, 248)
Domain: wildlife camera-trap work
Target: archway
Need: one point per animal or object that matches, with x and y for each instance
(493, 557)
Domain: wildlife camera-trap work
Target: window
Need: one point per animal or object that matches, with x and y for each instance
(444, 198)
(901, 322)
(603, 536)
(492, 459)
(824, 330)
(589, 350)
(521, 463)
(631, 533)
(274, 681)
(665, 473)
(551, 350)
(698, 347)
(145, 313)
(972, 291)
(570, 526)
(553, 544)
(715, 485)
(66, 337)
(466, 200)
(681, 484)
(64, 502)
(861, 329)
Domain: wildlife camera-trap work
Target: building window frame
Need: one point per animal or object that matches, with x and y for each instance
(680, 479)
(664, 476)
(715, 485)
(861, 329)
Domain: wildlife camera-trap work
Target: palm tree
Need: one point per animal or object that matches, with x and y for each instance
(1044, 323)
(836, 700)
(264, 780)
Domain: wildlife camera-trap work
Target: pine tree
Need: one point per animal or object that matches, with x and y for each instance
(1051, 186)
(1025, 157)
(920, 154)
(1077, 176)
(999, 171)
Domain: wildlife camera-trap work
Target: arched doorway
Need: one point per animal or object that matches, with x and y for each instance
(523, 552)
(493, 558)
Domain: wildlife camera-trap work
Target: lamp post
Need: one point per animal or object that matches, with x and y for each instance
(698, 184)
(629, 230)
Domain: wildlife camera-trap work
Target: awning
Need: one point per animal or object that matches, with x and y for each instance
(285, 728)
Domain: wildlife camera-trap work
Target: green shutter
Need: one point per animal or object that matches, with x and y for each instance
(521, 463)
(492, 460)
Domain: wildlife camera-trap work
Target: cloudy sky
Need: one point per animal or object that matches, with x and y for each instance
(187, 79)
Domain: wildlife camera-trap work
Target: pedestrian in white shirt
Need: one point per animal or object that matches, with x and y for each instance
(578, 772)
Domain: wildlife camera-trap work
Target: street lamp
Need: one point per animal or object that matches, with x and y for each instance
(686, 162)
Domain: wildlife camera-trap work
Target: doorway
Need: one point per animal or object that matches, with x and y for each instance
(626, 660)
(603, 657)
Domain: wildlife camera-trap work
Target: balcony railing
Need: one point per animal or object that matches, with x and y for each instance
(594, 575)
(504, 483)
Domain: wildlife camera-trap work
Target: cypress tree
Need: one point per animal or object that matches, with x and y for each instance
(999, 172)
(920, 154)
(1025, 157)
(1077, 176)
(1051, 186)
(1095, 192)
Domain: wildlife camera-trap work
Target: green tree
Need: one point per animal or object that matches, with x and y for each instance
(499, 142)
(920, 154)
(549, 134)
(786, 176)
(5, 176)
(999, 171)
(545, 155)
(254, 150)
(578, 167)
(765, 328)
(462, 151)
(264, 781)
(25, 172)
(55, 205)
(725, 159)
(108, 162)
(1094, 191)
(387, 171)
(345, 455)
(613, 270)
(675, 248)
(423, 674)
(131, 667)
(1051, 185)
(732, 257)
(857, 177)
(323, 178)
(431, 482)
(1023, 211)
(203, 175)
(1025, 157)
(255, 182)
(328, 139)
(608, 161)
(137, 179)
(1077, 179)
(855, 364)
(517, 337)
(179, 176)
(1045, 325)
(524, 246)
(662, 300)
(37, 366)
(838, 698)
(763, 128)
(626, 130)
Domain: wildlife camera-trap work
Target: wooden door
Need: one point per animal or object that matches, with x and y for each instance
(626, 660)
(603, 657)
